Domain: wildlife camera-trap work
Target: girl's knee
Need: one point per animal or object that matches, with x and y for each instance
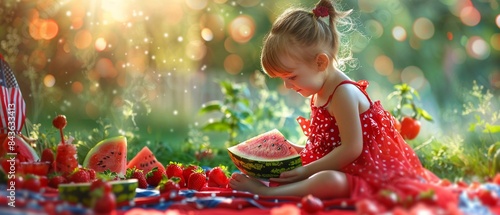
(330, 184)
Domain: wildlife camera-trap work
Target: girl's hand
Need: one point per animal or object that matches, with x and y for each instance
(297, 174)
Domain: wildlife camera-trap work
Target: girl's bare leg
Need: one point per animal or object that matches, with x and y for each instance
(325, 185)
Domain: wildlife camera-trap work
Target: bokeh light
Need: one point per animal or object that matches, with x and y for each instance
(423, 28)
(48, 29)
(242, 28)
(105, 68)
(374, 28)
(233, 64)
(477, 48)
(207, 34)
(497, 20)
(173, 13)
(77, 87)
(470, 16)
(383, 65)
(83, 39)
(399, 33)
(495, 41)
(100, 44)
(413, 76)
(49, 80)
(196, 50)
(196, 4)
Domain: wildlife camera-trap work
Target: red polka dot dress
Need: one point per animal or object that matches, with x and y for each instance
(386, 162)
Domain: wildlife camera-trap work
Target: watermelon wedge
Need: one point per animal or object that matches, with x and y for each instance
(265, 156)
(16, 144)
(145, 160)
(109, 154)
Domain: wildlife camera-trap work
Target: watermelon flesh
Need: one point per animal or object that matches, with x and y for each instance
(109, 154)
(265, 156)
(269, 146)
(24, 152)
(145, 160)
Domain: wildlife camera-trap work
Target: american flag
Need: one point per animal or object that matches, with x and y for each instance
(12, 114)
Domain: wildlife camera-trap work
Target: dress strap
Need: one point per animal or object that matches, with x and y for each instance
(361, 84)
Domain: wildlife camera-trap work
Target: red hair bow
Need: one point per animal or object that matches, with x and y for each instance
(321, 11)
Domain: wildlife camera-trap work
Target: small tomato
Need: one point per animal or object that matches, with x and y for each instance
(410, 128)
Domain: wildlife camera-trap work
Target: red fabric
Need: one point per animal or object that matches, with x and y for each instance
(386, 162)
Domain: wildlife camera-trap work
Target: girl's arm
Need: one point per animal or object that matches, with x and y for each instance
(347, 104)
(346, 109)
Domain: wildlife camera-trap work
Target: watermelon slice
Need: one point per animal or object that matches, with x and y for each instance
(145, 160)
(24, 152)
(265, 156)
(109, 154)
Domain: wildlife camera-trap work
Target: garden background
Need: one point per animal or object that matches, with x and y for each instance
(184, 76)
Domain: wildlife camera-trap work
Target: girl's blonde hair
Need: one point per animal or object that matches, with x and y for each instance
(301, 34)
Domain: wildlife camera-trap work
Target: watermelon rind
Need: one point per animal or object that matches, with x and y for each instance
(75, 193)
(121, 162)
(265, 169)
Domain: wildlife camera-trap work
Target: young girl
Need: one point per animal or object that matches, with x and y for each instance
(353, 150)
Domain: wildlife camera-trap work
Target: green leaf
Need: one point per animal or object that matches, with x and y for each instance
(424, 114)
(211, 106)
(491, 128)
(216, 126)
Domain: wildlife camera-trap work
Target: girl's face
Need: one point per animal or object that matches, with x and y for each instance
(303, 77)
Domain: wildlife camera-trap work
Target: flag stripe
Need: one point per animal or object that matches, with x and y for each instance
(11, 99)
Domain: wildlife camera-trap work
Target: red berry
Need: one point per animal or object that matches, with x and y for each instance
(217, 176)
(59, 122)
(173, 170)
(105, 204)
(487, 197)
(100, 184)
(186, 172)
(79, 176)
(56, 180)
(311, 204)
(169, 185)
(139, 175)
(32, 182)
(47, 155)
(154, 176)
(496, 179)
(197, 180)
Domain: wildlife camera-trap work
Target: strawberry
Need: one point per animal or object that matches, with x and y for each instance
(154, 176)
(197, 180)
(32, 182)
(139, 175)
(103, 200)
(311, 204)
(56, 180)
(186, 171)
(100, 184)
(92, 173)
(173, 170)
(47, 155)
(217, 177)
(169, 185)
(496, 179)
(79, 175)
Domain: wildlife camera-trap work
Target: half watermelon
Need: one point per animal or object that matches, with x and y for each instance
(265, 156)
